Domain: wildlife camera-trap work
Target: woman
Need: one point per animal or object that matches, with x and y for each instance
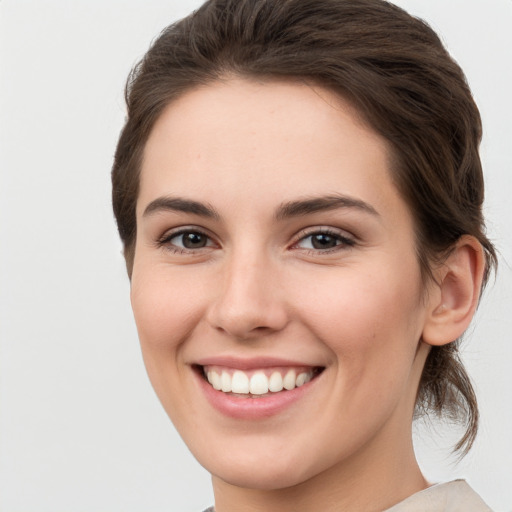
(299, 194)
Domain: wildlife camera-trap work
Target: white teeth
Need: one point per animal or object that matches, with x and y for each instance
(225, 382)
(302, 378)
(275, 383)
(258, 384)
(240, 383)
(289, 380)
(214, 380)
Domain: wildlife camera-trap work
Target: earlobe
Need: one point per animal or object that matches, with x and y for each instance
(454, 298)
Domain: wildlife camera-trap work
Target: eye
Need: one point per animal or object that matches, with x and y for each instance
(186, 240)
(324, 240)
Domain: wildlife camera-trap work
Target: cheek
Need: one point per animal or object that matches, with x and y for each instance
(166, 307)
(371, 321)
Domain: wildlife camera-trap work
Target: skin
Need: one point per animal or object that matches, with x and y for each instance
(260, 288)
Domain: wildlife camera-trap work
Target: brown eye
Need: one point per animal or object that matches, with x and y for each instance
(194, 240)
(323, 241)
(186, 240)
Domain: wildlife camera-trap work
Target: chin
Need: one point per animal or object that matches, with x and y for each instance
(264, 468)
(268, 476)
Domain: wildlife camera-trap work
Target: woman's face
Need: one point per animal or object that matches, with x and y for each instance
(274, 250)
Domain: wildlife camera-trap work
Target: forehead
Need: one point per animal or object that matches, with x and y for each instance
(282, 138)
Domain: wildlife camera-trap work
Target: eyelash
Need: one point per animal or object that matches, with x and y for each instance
(342, 242)
(165, 240)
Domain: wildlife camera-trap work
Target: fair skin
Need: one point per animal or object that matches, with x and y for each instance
(271, 238)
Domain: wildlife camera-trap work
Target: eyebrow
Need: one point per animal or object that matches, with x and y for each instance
(320, 204)
(178, 204)
(285, 211)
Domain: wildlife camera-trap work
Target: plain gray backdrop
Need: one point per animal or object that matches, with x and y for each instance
(80, 427)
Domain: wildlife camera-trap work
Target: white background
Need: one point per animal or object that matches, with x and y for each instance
(80, 428)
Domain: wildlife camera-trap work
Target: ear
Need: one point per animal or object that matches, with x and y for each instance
(453, 298)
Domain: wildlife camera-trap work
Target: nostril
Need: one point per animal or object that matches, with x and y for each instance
(262, 328)
(244, 332)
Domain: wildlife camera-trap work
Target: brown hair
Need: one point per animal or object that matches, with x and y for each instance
(395, 71)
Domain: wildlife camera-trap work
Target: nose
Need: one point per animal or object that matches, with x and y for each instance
(250, 302)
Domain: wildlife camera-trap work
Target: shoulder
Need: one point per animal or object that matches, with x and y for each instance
(448, 497)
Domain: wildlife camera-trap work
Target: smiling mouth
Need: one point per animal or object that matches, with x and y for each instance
(257, 383)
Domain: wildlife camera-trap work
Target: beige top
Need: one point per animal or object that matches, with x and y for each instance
(456, 496)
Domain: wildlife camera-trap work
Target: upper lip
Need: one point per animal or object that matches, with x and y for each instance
(251, 363)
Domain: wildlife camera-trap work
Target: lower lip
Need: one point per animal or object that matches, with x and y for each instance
(253, 408)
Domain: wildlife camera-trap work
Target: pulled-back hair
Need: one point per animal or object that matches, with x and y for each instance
(393, 68)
